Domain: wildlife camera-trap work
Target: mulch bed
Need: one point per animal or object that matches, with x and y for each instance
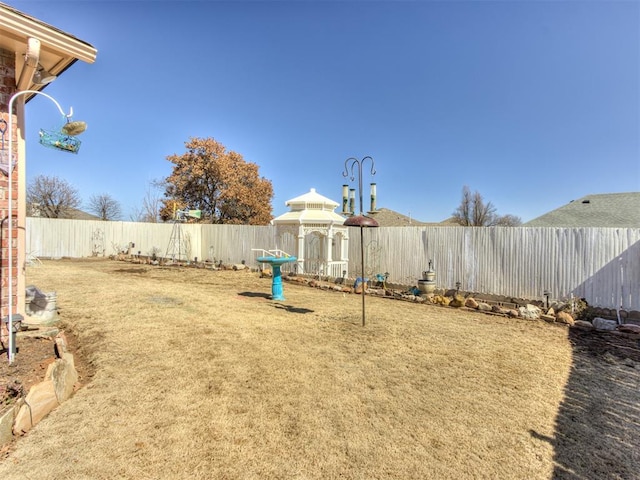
(601, 344)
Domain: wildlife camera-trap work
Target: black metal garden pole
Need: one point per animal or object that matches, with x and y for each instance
(360, 220)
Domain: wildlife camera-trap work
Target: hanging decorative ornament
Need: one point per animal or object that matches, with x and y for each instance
(64, 139)
(5, 164)
(59, 141)
(74, 128)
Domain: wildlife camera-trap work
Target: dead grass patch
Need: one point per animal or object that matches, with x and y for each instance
(199, 375)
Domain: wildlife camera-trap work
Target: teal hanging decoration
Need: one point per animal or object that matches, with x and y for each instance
(59, 141)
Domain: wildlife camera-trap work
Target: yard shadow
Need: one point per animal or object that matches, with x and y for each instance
(620, 275)
(254, 294)
(597, 431)
(282, 306)
(291, 309)
(131, 270)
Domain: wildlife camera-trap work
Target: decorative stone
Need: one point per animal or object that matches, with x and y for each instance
(548, 318)
(360, 286)
(40, 400)
(513, 313)
(439, 300)
(604, 324)
(6, 424)
(583, 324)
(64, 376)
(551, 312)
(484, 307)
(565, 317)
(556, 305)
(457, 301)
(61, 344)
(629, 328)
(470, 302)
(496, 309)
(530, 312)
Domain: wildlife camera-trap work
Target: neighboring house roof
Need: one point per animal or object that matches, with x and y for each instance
(75, 214)
(391, 218)
(71, 213)
(617, 210)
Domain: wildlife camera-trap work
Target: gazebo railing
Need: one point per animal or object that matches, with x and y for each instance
(270, 253)
(321, 268)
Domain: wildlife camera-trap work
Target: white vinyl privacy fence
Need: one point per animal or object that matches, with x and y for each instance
(599, 264)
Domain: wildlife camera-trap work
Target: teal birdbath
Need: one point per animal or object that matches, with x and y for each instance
(277, 292)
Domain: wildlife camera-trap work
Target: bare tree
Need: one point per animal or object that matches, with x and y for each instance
(105, 207)
(508, 221)
(463, 213)
(51, 197)
(484, 214)
(152, 203)
(473, 211)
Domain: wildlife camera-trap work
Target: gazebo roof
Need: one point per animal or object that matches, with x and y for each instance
(310, 207)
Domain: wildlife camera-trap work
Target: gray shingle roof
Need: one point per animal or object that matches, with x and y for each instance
(598, 210)
(391, 218)
(71, 213)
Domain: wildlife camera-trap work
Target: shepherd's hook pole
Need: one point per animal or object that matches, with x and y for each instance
(355, 162)
(10, 205)
(364, 288)
(349, 172)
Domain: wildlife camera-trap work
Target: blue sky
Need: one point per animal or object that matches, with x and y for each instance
(531, 103)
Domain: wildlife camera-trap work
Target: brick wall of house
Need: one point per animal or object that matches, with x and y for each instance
(7, 89)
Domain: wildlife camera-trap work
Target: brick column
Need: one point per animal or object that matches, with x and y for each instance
(8, 246)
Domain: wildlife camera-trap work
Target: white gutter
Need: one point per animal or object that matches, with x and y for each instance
(31, 59)
(52, 38)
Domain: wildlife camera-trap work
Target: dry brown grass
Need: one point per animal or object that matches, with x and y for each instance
(200, 376)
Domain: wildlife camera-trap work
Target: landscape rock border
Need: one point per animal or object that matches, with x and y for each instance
(58, 385)
(516, 308)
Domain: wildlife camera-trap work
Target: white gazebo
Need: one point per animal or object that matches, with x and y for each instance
(320, 240)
